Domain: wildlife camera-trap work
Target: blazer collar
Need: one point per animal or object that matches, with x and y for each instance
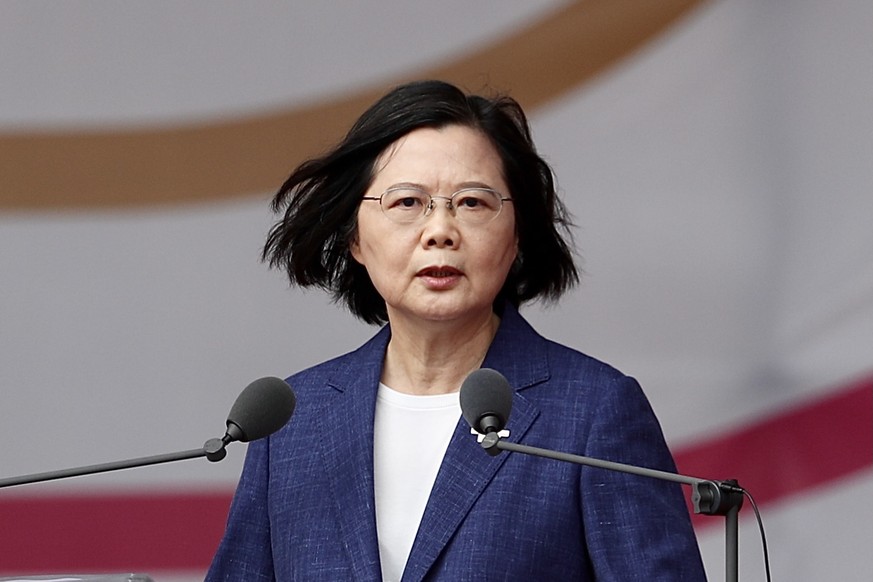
(518, 352)
(348, 410)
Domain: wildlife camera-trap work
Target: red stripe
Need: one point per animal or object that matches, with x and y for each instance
(134, 532)
(805, 447)
(799, 449)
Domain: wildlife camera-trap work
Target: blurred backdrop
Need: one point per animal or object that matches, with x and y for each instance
(717, 157)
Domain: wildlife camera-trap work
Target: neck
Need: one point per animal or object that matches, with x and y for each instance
(435, 359)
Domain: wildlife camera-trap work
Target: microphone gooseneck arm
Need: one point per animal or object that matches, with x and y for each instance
(213, 450)
(709, 497)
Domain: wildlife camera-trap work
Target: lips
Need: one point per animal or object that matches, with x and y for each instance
(439, 271)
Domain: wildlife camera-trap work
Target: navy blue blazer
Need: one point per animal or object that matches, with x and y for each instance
(304, 506)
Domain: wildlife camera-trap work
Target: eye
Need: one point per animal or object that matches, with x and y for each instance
(403, 200)
(477, 200)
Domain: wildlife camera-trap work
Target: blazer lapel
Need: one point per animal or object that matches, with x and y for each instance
(348, 410)
(519, 354)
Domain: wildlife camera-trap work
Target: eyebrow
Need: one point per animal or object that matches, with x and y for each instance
(459, 187)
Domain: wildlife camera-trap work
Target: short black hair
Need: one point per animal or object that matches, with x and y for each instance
(320, 199)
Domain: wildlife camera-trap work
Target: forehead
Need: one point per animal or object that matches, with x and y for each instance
(452, 153)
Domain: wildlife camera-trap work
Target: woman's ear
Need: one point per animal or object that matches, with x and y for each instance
(355, 249)
(515, 269)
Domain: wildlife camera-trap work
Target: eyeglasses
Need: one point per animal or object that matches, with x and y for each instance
(408, 204)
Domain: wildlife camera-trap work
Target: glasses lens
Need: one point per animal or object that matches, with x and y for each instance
(404, 204)
(476, 206)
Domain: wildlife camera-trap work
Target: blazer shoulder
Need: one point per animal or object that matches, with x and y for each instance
(528, 359)
(564, 359)
(341, 370)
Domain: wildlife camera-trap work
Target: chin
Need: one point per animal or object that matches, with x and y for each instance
(454, 312)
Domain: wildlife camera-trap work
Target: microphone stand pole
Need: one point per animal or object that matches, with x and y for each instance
(214, 450)
(708, 496)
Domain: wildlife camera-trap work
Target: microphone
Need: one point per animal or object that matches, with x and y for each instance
(263, 407)
(486, 400)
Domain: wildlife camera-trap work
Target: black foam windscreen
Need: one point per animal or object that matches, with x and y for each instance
(486, 396)
(262, 408)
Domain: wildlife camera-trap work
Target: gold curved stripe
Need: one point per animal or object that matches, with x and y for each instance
(245, 156)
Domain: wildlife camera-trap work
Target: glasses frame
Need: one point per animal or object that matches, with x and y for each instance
(431, 203)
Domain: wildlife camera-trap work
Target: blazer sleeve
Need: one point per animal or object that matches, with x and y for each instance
(637, 528)
(245, 550)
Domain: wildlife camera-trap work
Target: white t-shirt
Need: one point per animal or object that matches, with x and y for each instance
(411, 434)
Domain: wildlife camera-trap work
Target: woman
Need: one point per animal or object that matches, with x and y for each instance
(436, 216)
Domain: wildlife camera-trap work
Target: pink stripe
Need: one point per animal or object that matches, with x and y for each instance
(799, 449)
(802, 448)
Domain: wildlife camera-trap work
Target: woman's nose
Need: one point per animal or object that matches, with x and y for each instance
(440, 228)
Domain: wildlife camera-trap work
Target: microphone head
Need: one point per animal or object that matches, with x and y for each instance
(486, 400)
(262, 408)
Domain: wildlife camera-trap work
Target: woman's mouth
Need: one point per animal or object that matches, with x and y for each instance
(439, 272)
(440, 277)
